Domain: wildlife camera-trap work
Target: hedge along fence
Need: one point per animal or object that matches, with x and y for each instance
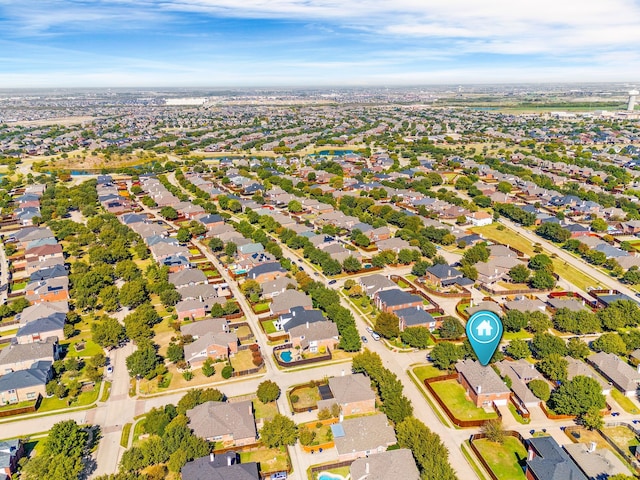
(480, 436)
(456, 421)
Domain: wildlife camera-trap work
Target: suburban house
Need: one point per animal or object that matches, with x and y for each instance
(482, 384)
(289, 299)
(314, 336)
(353, 393)
(195, 308)
(362, 436)
(202, 327)
(297, 316)
(266, 272)
(546, 460)
(623, 376)
(44, 273)
(42, 328)
(416, 317)
(479, 219)
(578, 367)
(521, 373)
(204, 291)
(188, 276)
(596, 462)
(372, 284)
(43, 252)
(396, 299)
(273, 288)
(442, 275)
(225, 466)
(233, 424)
(41, 310)
(50, 290)
(11, 451)
(389, 465)
(216, 346)
(21, 356)
(25, 385)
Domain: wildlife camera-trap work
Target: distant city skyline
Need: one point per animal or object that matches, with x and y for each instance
(280, 43)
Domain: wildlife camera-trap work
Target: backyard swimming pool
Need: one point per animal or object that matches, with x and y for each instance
(329, 476)
(286, 356)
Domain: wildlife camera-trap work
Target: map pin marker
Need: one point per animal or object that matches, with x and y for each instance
(484, 331)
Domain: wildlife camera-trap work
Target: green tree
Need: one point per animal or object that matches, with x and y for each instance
(268, 391)
(216, 245)
(169, 213)
(230, 249)
(175, 352)
(133, 293)
(351, 264)
(143, 361)
(279, 432)
(388, 325)
(429, 452)
(417, 337)
(554, 367)
(592, 419)
(420, 268)
(542, 280)
(519, 274)
(198, 396)
(66, 438)
(207, 368)
(514, 321)
(294, 206)
(610, 343)
(578, 349)
(183, 235)
(540, 389)
(544, 344)
(108, 333)
(599, 225)
(518, 349)
(445, 354)
(577, 396)
(451, 328)
(494, 431)
(541, 262)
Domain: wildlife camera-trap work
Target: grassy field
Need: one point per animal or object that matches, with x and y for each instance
(55, 403)
(623, 438)
(624, 402)
(270, 459)
(428, 371)
(265, 411)
(453, 395)
(504, 459)
(512, 239)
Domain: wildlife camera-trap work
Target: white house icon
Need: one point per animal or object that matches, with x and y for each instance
(484, 329)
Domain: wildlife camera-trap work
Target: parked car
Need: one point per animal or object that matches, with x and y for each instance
(332, 282)
(364, 339)
(109, 369)
(369, 329)
(375, 336)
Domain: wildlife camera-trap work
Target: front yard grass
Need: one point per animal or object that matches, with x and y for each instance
(55, 403)
(268, 326)
(454, 396)
(428, 371)
(243, 360)
(124, 438)
(504, 459)
(624, 402)
(270, 459)
(265, 411)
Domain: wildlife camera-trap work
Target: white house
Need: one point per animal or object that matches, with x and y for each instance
(479, 219)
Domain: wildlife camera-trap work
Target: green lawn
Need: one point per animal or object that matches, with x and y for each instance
(264, 410)
(624, 402)
(453, 395)
(522, 335)
(18, 286)
(307, 397)
(55, 403)
(90, 348)
(106, 392)
(519, 418)
(402, 284)
(270, 459)
(504, 459)
(13, 406)
(262, 307)
(126, 431)
(428, 371)
(269, 327)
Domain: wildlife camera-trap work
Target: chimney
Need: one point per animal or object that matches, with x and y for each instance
(592, 447)
(366, 468)
(479, 389)
(530, 454)
(212, 457)
(307, 324)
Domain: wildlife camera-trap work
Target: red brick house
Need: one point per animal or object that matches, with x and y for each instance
(396, 299)
(483, 385)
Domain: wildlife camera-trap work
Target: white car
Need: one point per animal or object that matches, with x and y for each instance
(369, 329)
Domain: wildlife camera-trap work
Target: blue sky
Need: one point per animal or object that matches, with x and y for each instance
(222, 43)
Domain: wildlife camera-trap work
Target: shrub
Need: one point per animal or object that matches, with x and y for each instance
(257, 360)
(294, 398)
(540, 389)
(227, 371)
(188, 375)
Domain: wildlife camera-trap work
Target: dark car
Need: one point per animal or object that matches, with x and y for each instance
(332, 282)
(364, 339)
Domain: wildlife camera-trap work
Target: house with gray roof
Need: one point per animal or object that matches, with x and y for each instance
(203, 291)
(389, 465)
(298, 316)
(188, 276)
(213, 345)
(396, 299)
(25, 385)
(353, 393)
(623, 376)
(415, 317)
(224, 466)
(36, 330)
(595, 463)
(577, 367)
(362, 436)
(524, 304)
(233, 423)
(289, 299)
(521, 373)
(273, 288)
(202, 327)
(482, 384)
(266, 271)
(40, 310)
(569, 303)
(546, 460)
(11, 451)
(372, 284)
(20, 356)
(314, 336)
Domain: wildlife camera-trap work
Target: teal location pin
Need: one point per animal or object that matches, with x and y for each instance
(484, 331)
